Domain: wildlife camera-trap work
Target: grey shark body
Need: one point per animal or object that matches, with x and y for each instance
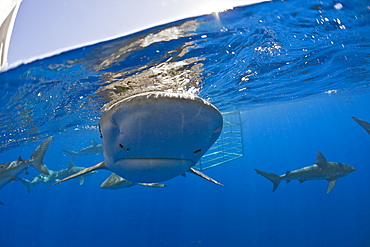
(322, 170)
(114, 182)
(363, 124)
(9, 171)
(154, 137)
(55, 176)
(94, 149)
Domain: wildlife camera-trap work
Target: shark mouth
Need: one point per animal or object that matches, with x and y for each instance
(150, 170)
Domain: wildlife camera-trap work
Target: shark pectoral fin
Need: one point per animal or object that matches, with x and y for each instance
(82, 180)
(101, 165)
(196, 172)
(331, 185)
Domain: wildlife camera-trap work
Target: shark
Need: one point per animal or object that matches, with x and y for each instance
(322, 169)
(54, 176)
(363, 124)
(9, 171)
(156, 136)
(114, 182)
(94, 149)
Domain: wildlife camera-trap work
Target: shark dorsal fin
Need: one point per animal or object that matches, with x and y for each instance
(20, 158)
(94, 142)
(331, 184)
(70, 165)
(320, 160)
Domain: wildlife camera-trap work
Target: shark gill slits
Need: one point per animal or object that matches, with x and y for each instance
(121, 146)
(197, 151)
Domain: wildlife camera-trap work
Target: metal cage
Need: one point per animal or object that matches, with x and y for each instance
(228, 147)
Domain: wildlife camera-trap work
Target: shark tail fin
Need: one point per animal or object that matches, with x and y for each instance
(196, 172)
(101, 165)
(38, 156)
(272, 177)
(72, 153)
(26, 182)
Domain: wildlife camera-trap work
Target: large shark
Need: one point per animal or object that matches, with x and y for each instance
(330, 171)
(94, 149)
(9, 171)
(154, 137)
(363, 124)
(55, 176)
(114, 182)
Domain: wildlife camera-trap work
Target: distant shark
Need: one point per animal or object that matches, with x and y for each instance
(115, 182)
(153, 137)
(330, 171)
(54, 176)
(9, 171)
(363, 124)
(94, 149)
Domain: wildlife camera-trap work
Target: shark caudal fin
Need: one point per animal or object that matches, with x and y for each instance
(101, 165)
(196, 172)
(72, 153)
(38, 156)
(270, 176)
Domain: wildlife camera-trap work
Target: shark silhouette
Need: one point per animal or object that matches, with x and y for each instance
(9, 171)
(54, 176)
(330, 171)
(94, 149)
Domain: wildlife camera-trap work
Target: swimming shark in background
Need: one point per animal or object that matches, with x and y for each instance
(94, 149)
(153, 137)
(55, 176)
(115, 182)
(330, 171)
(363, 124)
(9, 171)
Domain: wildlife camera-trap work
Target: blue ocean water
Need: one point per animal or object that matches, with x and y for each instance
(296, 70)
